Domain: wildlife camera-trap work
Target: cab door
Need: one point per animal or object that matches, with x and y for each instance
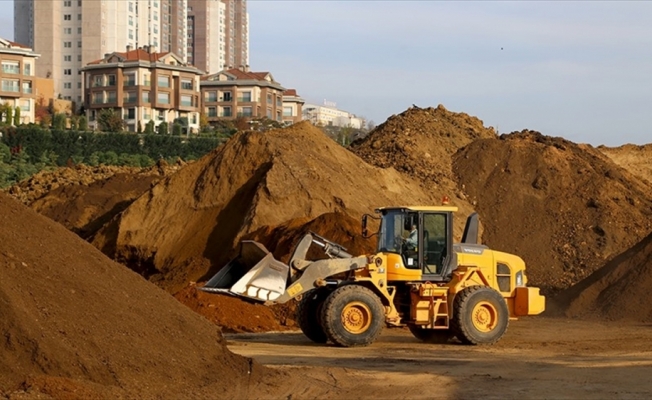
(435, 233)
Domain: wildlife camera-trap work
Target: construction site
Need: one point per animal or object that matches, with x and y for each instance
(106, 271)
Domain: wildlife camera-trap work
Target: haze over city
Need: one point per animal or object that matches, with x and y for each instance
(579, 70)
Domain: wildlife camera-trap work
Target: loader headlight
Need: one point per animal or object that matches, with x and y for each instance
(519, 279)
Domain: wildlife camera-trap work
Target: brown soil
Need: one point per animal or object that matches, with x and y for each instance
(189, 225)
(563, 208)
(70, 313)
(420, 143)
(619, 290)
(635, 159)
(44, 182)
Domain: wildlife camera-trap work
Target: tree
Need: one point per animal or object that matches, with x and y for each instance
(203, 123)
(9, 118)
(110, 121)
(149, 128)
(17, 116)
(83, 123)
(163, 128)
(176, 129)
(140, 127)
(59, 121)
(74, 123)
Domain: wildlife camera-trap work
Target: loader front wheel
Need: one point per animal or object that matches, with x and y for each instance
(432, 336)
(480, 315)
(352, 316)
(308, 312)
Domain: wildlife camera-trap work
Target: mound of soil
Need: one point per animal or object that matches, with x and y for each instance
(420, 142)
(635, 159)
(46, 181)
(563, 208)
(189, 225)
(71, 314)
(618, 291)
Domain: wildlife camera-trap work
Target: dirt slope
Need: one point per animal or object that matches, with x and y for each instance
(193, 221)
(70, 313)
(420, 142)
(565, 209)
(618, 291)
(635, 159)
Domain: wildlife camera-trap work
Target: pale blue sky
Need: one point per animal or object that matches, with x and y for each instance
(581, 70)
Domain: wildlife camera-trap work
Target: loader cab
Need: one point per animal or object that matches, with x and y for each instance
(432, 256)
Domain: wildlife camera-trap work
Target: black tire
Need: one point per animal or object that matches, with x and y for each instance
(308, 314)
(480, 315)
(363, 311)
(432, 336)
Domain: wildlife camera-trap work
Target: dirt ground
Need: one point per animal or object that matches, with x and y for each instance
(539, 357)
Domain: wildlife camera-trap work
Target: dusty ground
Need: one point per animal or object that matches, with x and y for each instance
(539, 357)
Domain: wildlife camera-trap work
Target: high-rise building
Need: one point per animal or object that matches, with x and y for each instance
(218, 34)
(72, 33)
(206, 30)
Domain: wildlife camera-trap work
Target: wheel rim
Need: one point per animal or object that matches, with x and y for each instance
(484, 316)
(356, 317)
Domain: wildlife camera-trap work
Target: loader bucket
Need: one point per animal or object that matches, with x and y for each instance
(254, 274)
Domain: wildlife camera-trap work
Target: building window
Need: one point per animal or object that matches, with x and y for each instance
(10, 85)
(110, 97)
(67, 71)
(130, 79)
(79, 30)
(131, 6)
(269, 98)
(269, 113)
(287, 111)
(10, 67)
(67, 17)
(211, 111)
(245, 112)
(210, 96)
(79, 44)
(131, 21)
(130, 113)
(245, 97)
(279, 101)
(67, 58)
(67, 44)
(163, 98)
(146, 114)
(98, 81)
(163, 81)
(161, 115)
(130, 97)
(226, 96)
(67, 31)
(27, 87)
(67, 85)
(67, 3)
(226, 112)
(97, 98)
(26, 105)
(186, 84)
(186, 100)
(145, 97)
(110, 80)
(78, 17)
(79, 85)
(27, 69)
(147, 81)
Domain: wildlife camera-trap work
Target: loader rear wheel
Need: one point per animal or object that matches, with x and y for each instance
(432, 336)
(308, 312)
(480, 315)
(352, 316)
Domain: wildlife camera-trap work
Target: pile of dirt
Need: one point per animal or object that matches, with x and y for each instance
(565, 209)
(420, 142)
(635, 159)
(45, 182)
(189, 225)
(618, 291)
(75, 324)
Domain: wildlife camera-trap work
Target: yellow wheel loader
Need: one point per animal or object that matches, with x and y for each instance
(437, 288)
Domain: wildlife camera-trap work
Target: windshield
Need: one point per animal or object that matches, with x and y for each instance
(392, 230)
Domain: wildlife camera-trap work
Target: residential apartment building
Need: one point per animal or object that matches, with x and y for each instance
(17, 80)
(236, 34)
(206, 35)
(72, 33)
(292, 107)
(237, 92)
(328, 114)
(143, 85)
